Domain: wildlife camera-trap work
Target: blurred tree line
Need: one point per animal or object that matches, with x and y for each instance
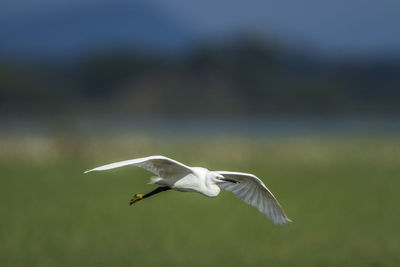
(249, 76)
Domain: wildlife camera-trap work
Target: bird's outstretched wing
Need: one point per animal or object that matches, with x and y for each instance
(160, 165)
(252, 190)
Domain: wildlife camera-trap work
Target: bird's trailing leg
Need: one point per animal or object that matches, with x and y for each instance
(138, 197)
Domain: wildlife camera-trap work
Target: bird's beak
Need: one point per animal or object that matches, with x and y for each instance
(229, 180)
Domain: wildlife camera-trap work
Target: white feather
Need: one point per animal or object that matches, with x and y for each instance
(249, 188)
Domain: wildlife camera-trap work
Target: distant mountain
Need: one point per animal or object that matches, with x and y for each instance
(60, 32)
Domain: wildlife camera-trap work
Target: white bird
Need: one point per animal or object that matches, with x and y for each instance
(177, 176)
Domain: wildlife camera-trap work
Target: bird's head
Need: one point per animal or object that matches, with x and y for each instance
(218, 178)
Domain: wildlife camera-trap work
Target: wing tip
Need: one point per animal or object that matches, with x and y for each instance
(88, 171)
(286, 221)
(281, 221)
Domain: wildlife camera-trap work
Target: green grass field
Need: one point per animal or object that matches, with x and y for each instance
(342, 196)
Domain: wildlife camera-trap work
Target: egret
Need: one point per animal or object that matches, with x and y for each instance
(172, 174)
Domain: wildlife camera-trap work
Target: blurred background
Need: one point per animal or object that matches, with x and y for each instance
(303, 94)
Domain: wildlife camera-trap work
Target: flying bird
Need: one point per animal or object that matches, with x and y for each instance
(172, 174)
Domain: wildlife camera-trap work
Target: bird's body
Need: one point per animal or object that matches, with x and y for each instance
(177, 176)
(192, 182)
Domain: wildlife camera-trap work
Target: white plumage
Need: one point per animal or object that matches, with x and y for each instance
(177, 176)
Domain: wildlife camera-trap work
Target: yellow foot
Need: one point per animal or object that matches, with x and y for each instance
(136, 198)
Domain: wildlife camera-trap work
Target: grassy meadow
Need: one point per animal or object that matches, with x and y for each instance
(342, 195)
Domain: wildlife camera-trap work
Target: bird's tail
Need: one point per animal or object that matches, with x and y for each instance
(154, 180)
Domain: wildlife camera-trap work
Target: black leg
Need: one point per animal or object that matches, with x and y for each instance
(138, 197)
(157, 190)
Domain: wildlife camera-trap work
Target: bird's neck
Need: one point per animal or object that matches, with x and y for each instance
(213, 190)
(210, 188)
